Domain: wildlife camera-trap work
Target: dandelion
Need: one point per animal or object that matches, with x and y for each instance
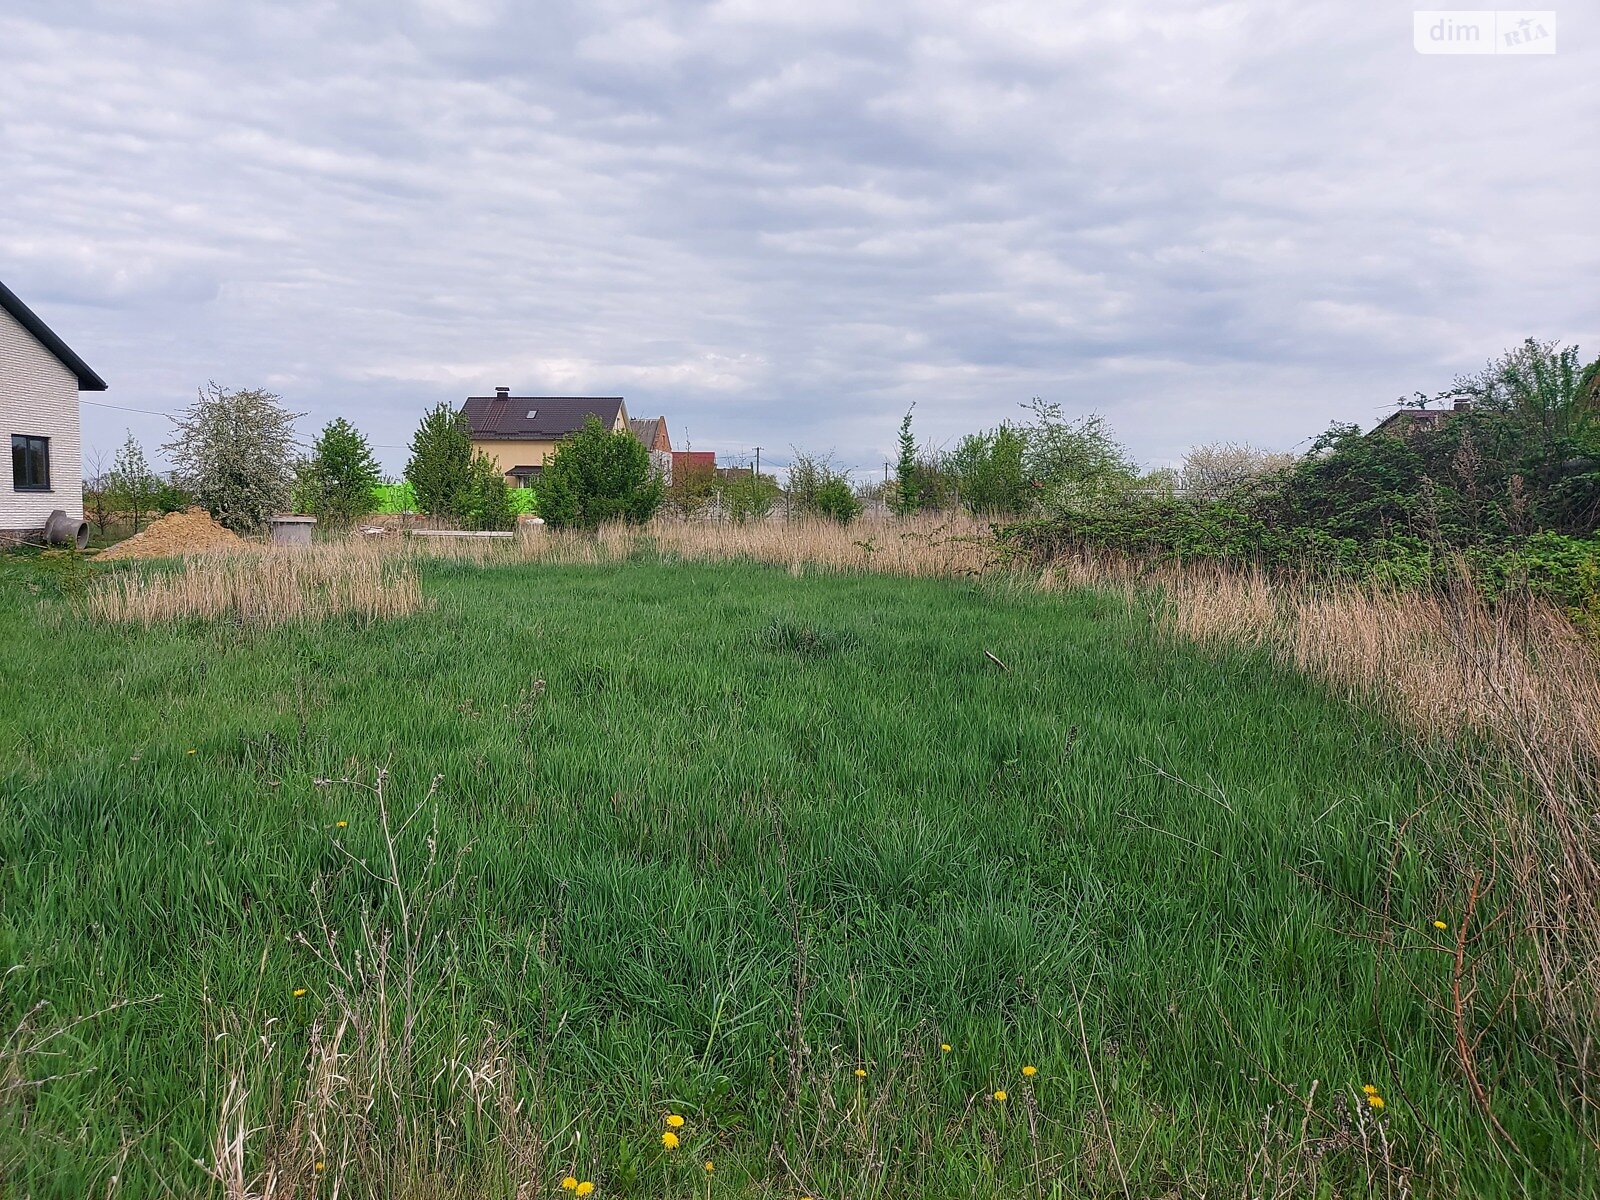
(860, 1073)
(1000, 1097)
(669, 1140)
(298, 992)
(1369, 1089)
(583, 1189)
(709, 1167)
(1030, 1072)
(341, 824)
(944, 1047)
(569, 1184)
(1440, 925)
(321, 1167)
(674, 1120)
(191, 750)
(1375, 1101)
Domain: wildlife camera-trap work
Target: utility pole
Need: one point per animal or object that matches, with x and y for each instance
(758, 462)
(886, 472)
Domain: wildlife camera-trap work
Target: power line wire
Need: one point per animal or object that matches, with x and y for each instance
(124, 408)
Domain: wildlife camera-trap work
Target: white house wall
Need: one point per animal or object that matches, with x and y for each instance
(38, 396)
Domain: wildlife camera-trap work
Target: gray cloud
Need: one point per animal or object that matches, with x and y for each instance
(781, 224)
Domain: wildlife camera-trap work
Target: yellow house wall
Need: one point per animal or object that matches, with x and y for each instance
(505, 453)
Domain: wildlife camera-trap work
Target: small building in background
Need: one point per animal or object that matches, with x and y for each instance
(652, 431)
(40, 378)
(693, 462)
(1407, 421)
(519, 434)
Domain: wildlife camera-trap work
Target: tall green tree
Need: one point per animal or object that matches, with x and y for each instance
(132, 485)
(907, 497)
(440, 467)
(341, 475)
(599, 476)
(234, 450)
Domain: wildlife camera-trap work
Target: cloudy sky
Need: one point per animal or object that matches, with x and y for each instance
(781, 222)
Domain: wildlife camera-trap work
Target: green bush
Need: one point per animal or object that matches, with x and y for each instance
(485, 502)
(599, 476)
(836, 500)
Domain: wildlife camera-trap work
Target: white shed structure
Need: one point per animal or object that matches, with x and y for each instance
(40, 378)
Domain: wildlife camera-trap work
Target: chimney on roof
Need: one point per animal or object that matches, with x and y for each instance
(501, 393)
(1462, 403)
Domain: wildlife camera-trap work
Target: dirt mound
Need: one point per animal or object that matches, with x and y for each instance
(191, 532)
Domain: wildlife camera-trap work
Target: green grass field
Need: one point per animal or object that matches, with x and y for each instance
(712, 840)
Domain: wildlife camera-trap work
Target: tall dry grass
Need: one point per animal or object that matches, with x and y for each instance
(952, 545)
(260, 587)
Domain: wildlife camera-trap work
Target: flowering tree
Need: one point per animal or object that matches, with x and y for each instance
(1218, 469)
(235, 452)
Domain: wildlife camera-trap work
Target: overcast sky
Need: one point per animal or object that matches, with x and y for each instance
(780, 222)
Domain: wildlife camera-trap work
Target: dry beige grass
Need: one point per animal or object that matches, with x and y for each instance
(944, 545)
(262, 586)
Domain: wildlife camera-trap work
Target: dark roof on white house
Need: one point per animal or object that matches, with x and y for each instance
(88, 381)
(537, 418)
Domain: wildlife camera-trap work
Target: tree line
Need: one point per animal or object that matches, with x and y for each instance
(1511, 479)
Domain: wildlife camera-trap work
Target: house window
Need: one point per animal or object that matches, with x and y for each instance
(30, 463)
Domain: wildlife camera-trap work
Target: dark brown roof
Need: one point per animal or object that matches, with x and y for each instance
(88, 381)
(537, 418)
(644, 428)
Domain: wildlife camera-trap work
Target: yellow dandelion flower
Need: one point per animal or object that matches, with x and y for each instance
(569, 1184)
(669, 1140)
(860, 1073)
(709, 1167)
(1440, 925)
(674, 1120)
(193, 751)
(944, 1047)
(298, 992)
(1000, 1097)
(1030, 1072)
(321, 1167)
(341, 824)
(1369, 1089)
(1375, 1101)
(583, 1189)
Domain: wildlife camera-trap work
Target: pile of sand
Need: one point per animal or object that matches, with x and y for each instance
(190, 532)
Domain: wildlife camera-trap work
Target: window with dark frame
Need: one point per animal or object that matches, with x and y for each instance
(30, 463)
